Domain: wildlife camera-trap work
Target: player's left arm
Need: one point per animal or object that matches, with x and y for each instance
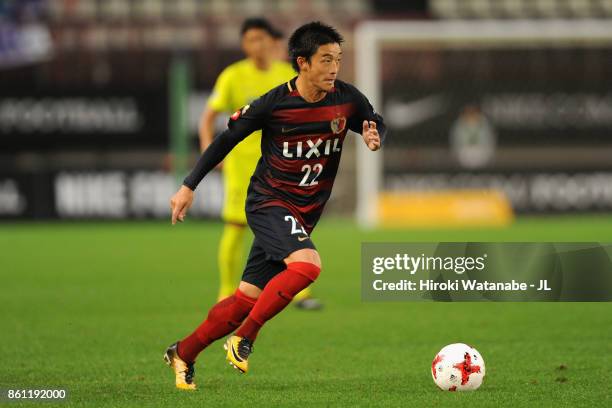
(370, 135)
(368, 123)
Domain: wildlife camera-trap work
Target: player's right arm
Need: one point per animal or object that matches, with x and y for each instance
(241, 124)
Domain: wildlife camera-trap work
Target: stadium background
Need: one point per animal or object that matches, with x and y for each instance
(99, 104)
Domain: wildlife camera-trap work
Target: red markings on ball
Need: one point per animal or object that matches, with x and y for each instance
(467, 368)
(433, 365)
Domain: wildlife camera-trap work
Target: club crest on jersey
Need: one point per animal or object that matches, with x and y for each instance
(338, 124)
(240, 112)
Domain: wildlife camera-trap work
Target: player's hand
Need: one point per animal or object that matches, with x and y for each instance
(370, 135)
(180, 203)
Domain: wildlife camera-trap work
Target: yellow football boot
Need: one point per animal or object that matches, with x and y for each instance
(183, 371)
(238, 351)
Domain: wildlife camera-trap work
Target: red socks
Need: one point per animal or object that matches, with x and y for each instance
(277, 294)
(222, 319)
(226, 315)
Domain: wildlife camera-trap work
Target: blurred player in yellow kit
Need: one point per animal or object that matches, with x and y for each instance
(238, 85)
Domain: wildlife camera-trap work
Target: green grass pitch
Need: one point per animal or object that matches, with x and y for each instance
(90, 307)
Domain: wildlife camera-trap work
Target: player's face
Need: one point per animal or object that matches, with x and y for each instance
(324, 66)
(257, 44)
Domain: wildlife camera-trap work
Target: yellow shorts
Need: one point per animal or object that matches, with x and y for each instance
(237, 172)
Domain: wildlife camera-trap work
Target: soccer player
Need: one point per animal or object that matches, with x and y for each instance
(238, 85)
(304, 123)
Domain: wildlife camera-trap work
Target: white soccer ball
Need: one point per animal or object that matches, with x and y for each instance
(458, 367)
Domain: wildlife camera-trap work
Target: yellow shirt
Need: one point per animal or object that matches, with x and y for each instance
(241, 83)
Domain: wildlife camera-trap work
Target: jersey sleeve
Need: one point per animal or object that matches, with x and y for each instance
(220, 98)
(242, 123)
(365, 111)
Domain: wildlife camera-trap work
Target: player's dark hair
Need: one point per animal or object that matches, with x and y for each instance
(260, 23)
(306, 40)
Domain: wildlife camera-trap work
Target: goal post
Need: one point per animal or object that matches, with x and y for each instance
(372, 37)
